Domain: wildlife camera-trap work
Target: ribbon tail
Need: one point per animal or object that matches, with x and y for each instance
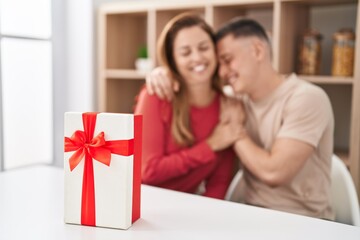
(88, 193)
(121, 147)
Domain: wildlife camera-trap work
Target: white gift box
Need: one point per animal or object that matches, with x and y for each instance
(113, 200)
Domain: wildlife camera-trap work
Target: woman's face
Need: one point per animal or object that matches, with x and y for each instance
(195, 56)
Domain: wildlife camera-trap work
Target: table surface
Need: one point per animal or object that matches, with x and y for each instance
(32, 207)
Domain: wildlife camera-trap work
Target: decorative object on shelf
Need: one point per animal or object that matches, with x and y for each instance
(143, 63)
(102, 168)
(343, 53)
(310, 53)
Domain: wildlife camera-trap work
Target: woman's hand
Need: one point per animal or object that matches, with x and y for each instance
(232, 110)
(225, 135)
(231, 125)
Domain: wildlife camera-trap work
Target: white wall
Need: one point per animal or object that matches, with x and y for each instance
(73, 49)
(80, 55)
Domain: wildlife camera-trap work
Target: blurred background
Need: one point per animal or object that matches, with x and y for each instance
(63, 55)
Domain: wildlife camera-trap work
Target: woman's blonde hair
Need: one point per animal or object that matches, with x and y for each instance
(180, 125)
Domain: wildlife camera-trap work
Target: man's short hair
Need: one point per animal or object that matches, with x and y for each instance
(242, 27)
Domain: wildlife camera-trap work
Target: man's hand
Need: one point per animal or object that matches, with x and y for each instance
(160, 83)
(232, 110)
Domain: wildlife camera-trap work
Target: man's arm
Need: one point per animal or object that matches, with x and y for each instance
(159, 82)
(305, 118)
(277, 166)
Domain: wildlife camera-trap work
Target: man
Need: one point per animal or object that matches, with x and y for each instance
(287, 146)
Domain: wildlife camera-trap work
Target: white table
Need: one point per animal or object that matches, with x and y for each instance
(31, 207)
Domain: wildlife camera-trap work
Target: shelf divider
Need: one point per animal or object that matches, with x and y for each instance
(125, 74)
(328, 79)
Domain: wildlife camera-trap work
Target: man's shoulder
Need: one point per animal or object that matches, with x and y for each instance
(307, 98)
(308, 90)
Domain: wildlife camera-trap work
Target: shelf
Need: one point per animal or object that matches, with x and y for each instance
(328, 79)
(325, 16)
(261, 12)
(125, 74)
(321, 2)
(122, 94)
(164, 16)
(122, 49)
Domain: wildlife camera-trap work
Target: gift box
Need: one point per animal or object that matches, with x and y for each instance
(102, 165)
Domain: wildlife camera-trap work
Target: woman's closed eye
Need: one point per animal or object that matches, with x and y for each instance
(185, 52)
(203, 48)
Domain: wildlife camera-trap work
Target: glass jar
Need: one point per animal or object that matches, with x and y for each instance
(343, 53)
(310, 53)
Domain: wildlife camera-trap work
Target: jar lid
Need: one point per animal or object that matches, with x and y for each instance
(312, 33)
(344, 34)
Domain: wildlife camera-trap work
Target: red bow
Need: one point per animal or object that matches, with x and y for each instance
(98, 148)
(85, 145)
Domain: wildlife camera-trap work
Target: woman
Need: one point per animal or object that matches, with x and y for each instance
(184, 141)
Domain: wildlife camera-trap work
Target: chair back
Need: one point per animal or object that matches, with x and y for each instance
(344, 198)
(343, 193)
(235, 191)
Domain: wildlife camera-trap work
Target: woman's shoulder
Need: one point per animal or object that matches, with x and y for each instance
(145, 97)
(145, 100)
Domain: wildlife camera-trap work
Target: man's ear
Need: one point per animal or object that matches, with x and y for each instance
(260, 49)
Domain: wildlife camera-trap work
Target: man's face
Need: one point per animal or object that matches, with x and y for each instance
(238, 64)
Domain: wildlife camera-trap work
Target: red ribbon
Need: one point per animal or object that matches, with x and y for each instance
(85, 144)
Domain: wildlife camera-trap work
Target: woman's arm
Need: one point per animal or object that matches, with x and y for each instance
(157, 165)
(219, 181)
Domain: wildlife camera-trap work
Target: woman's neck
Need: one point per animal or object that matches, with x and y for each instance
(200, 95)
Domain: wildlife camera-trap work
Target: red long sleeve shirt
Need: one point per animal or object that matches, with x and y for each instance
(168, 165)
